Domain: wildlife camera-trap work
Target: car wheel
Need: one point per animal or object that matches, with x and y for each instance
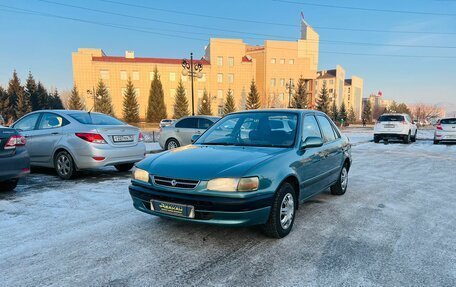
(340, 187)
(283, 212)
(64, 165)
(8, 185)
(172, 144)
(407, 138)
(413, 139)
(376, 139)
(124, 167)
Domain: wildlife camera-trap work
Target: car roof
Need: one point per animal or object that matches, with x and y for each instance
(296, 111)
(66, 112)
(200, 116)
(393, 114)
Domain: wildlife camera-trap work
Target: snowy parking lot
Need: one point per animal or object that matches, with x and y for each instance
(395, 226)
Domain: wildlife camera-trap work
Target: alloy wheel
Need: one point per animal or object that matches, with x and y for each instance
(344, 178)
(287, 211)
(63, 165)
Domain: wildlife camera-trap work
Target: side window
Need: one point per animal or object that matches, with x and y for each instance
(310, 128)
(326, 129)
(188, 123)
(50, 121)
(204, 123)
(28, 123)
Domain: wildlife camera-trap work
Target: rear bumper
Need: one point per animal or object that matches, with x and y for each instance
(208, 209)
(15, 166)
(390, 135)
(445, 136)
(84, 157)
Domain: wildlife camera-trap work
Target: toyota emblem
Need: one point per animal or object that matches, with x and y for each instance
(173, 182)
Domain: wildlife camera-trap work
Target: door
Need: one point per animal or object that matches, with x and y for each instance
(47, 136)
(310, 166)
(332, 152)
(184, 130)
(26, 126)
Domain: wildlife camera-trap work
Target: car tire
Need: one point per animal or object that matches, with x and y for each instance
(340, 187)
(8, 185)
(124, 167)
(64, 165)
(172, 144)
(413, 139)
(376, 139)
(407, 138)
(281, 218)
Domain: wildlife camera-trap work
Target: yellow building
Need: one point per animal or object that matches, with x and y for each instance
(227, 64)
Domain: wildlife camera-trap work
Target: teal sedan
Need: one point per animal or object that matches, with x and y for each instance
(249, 168)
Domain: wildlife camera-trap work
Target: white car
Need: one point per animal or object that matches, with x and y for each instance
(445, 130)
(395, 126)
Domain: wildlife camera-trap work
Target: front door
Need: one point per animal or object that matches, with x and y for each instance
(46, 137)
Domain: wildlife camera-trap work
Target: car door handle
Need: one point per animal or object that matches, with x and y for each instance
(54, 133)
(177, 130)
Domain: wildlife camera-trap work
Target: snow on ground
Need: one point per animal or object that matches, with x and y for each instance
(394, 227)
(152, 147)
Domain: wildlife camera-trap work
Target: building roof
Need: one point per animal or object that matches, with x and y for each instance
(144, 60)
(327, 74)
(247, 59)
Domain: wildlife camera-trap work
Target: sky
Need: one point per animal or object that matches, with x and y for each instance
(40, 35)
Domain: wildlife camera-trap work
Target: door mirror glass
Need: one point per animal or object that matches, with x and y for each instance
(312, 142)
(195, 138)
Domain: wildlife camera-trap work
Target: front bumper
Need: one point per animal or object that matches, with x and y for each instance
(208, 209)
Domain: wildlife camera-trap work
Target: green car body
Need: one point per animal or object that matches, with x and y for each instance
(309, 167)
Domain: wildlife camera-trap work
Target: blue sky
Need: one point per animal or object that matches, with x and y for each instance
(44, 44)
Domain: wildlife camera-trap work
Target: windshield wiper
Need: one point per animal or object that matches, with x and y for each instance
(224, 144)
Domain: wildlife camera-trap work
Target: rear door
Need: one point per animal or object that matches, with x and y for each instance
(47, 136)
(184, 130)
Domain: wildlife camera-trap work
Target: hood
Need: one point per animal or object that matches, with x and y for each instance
(207, 162)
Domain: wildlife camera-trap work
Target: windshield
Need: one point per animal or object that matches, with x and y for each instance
(96, 119)
(265, 129)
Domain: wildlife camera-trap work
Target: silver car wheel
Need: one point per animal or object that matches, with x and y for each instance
(287, 211)
(172, 145)
(63, 164)
(344, 178)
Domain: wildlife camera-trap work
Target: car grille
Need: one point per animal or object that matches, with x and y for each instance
(173, 182)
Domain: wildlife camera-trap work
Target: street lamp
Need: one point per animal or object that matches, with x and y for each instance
(193, 70)
(290, 87)
(94, 96)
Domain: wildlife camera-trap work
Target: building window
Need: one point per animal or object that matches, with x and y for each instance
(104, 74)
(184, 78)
(231, 61)
(282, 82)
(282, 61)
(273, 60)
(135, 76)
(281, 97)
(219, 94)
(172, 77)
(172, 92)
(291, 61)
(230, 78)
(273, 82)
(151, 76)
(123, 75)
(219, 61)
(331, 90)
(219, 78)
(203, 78)
(331, 82)
(220, 110)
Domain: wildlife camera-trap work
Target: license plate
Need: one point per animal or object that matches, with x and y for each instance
(118, 139)
(388, 126)
(173, 208)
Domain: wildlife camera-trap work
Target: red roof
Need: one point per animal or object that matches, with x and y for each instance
(143, 60)
(246, 59)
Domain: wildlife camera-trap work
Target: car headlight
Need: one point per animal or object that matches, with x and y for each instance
(141, 174)
(234, 184)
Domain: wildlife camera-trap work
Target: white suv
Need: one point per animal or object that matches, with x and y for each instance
(395, 126)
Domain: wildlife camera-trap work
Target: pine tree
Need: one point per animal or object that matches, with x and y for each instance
(42, 97)
(351, 116)
(3, 97)
(180, 102)
(299, 100)
(205, 108)
(75, 103)
(55, 102)
(31, 87)
(253, 98)
(367, 113)
(323, 100)
(130, 104)
(103, 102)
(334, 113)
(156, 109)
(229, 106)
(343, 113)
(19, 99)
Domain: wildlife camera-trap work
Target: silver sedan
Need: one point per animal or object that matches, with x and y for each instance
(73, 140)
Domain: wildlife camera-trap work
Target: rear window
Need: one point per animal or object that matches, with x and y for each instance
(391, 118)
(448, 121)
(96, 119)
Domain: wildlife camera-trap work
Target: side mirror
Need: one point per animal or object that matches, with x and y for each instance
(195, 138)
(312, 142)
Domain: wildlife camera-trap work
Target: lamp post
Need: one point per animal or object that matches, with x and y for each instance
(290, 86)
(94, 96)
(193, 69)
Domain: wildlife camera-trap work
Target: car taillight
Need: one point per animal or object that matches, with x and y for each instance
(92, 138)
(141, 137)
(439, 127)
(14, 141)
